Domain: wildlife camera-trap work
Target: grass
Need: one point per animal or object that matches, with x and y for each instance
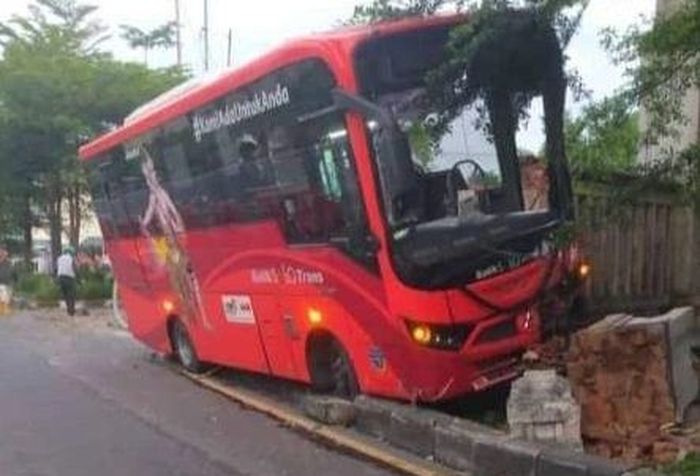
(690, 466)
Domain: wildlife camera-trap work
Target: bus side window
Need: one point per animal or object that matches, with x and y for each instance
(319, 198)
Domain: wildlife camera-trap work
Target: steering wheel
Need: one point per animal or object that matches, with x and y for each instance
(452, 198)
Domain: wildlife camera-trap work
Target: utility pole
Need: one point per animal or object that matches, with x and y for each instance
(178, 35)
(229, 56)
(205, 30)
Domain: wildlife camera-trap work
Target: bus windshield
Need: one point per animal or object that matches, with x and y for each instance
(468, 199)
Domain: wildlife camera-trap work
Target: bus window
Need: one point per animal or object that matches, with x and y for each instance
(316, 181)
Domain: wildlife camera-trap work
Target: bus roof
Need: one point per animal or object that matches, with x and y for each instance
(330, 46)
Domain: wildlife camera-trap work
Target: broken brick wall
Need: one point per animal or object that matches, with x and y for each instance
(631, 377)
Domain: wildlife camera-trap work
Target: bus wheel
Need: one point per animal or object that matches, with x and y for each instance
(184, 349)
(331, 369)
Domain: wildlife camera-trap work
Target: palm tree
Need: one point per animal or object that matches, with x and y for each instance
(160, 37)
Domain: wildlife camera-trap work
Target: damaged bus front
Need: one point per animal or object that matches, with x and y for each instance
(473, 223)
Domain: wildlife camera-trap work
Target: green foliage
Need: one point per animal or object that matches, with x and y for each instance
(382, 10)
(603, 139)
(94, 285)
(57, 89)
(690, 466)
(504, 55)
(160, 37)
(662, 62)
(40, 287)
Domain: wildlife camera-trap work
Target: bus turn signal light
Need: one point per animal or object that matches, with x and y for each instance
(438, 336)
(315, 316)
(421, 334)
(584, 270)
(168, 306)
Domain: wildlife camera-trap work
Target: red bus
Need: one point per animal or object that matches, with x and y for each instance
(287, 218)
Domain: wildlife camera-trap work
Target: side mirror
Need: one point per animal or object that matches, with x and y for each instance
(471, 176)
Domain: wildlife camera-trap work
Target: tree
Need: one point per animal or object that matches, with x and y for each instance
(163, 36)
(662, 63)
(506, 54)
(56, 88)
(604, 138)
(381, 10)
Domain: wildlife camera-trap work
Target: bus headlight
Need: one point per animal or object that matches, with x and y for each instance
(438, 336)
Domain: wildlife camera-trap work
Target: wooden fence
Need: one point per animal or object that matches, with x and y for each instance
(644, 251)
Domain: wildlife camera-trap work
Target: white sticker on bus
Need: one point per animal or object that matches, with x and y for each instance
(238, 309)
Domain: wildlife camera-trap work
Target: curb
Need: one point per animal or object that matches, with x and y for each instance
(467, 446)
(335, 436)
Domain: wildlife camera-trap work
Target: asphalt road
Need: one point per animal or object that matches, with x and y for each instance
(81, 399)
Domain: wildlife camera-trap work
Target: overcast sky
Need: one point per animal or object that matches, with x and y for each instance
(259, 25)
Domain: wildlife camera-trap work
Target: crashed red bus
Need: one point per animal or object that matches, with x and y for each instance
(281, 218)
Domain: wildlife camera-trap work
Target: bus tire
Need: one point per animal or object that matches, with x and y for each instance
(330, 367)
(183, 348)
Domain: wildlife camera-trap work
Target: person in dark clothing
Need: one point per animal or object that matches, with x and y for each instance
(65, 269)
(250, 171)
(256, 169)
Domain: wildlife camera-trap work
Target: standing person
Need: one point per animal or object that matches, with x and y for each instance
(5, 282)
(65, 269)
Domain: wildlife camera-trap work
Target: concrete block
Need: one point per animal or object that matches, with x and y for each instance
(413, 430)
(681, 332)
(561, 461)
(542, 408)
(373, 416)
(496, 457)
(454, 448)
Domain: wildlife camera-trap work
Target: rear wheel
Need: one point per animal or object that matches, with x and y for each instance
(184, 349)
(331, 369)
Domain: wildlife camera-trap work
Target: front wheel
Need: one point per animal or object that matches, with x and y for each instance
(331, 369)
(184, 349)
(344, 379)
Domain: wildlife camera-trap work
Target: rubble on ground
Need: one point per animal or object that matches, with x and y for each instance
(634, 379)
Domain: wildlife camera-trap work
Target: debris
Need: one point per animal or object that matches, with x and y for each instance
(330, 410)
(634, 379)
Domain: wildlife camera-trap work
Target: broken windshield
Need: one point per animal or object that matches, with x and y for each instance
(462, 195)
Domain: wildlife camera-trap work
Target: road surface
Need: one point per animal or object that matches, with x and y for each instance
(83, 399)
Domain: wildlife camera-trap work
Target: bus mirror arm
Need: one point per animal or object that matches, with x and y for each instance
(368, 245)
(349, 101)
(395, 164)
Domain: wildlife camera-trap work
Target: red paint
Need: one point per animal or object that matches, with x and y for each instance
(363, 310)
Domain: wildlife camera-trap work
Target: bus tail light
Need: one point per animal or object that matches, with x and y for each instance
(438, 336)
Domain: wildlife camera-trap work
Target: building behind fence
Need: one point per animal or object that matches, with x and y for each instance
(644, 248)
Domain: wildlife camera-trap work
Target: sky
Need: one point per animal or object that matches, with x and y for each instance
(259, 25)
